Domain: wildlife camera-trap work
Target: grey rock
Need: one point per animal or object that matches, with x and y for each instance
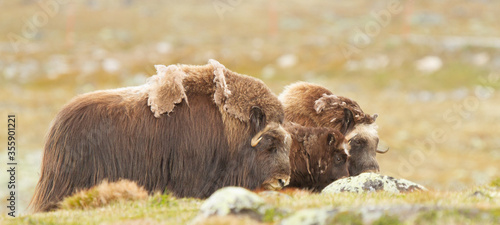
(371, 182)
(311, 216)
(233, 201)
(366, 214)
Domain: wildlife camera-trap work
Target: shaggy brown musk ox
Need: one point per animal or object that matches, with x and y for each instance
(313, 105)
(317, 156)
(189, 130)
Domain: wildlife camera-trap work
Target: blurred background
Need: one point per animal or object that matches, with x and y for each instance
(430, 69)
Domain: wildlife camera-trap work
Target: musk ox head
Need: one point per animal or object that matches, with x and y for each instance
(317, 156)
(359, 128)
(362, 145)
(313, 105)
(272, 147)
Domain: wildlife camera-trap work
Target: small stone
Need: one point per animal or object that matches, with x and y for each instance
(287, 60)
(478, 194)
(111, 65)
(429, 64)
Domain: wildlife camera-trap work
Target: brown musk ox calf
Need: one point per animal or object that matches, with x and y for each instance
(317, 156)
(313, 105)
(189, 130)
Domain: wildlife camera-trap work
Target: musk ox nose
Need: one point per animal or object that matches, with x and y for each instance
(373, 169)
(283, 182)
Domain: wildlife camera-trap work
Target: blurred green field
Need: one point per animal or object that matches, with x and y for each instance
(432, 74)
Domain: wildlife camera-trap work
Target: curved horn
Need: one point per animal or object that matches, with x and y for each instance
(256, 140)
(382, 147)
(382, 151)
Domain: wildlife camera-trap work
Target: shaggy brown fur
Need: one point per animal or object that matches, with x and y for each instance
(196, 149)
(313, 105)
(317, 156)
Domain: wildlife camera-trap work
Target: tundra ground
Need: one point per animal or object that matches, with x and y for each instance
(476, 205)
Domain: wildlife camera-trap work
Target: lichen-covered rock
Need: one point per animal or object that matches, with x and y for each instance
(370, 182)
(311, 216)
(233, 201)
(358, 215)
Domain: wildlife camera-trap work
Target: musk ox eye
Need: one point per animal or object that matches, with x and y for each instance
(273, 150)
(338, 159)
(357, 141)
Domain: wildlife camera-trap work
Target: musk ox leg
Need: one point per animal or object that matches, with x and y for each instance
(165, 89)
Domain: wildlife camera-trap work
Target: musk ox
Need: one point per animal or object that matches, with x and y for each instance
(313, 105)
(317, 156)
(189, 130)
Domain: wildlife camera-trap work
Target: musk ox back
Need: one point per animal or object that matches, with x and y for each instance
(313, 105)
(190, 130)
(317, 156)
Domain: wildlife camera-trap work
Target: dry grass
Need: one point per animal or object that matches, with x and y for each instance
(105, 193)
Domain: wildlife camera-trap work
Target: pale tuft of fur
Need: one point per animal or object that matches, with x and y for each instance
(105, 193)
(165, 89)
(222, 92)
(365, 129)
(321, 103)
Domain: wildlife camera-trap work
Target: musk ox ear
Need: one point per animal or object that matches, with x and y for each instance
(322, 103)
(257, 119)
(347, 122)
(165, 89)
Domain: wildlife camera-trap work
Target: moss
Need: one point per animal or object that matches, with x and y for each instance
(272, 215)
(427, 217)
(163, 200)
(495, 213)
(348, 218)
(387, 220)
(495, 182)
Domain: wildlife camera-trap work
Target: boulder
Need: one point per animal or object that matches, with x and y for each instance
(233, 201)
(357, 215)
(311, 216)
(371, 182)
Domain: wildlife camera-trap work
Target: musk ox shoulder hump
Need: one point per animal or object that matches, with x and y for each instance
(165, 89)
(300, 91)
(314, 105)
(235, 94)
